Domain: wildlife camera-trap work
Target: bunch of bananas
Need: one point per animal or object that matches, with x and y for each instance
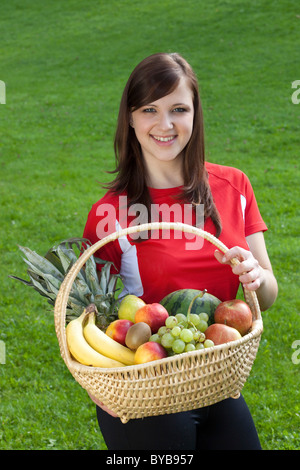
(91, 346)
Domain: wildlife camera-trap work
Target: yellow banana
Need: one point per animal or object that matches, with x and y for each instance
(81, 350)
(104, 344)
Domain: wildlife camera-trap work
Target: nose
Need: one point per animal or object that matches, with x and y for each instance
(165, 122)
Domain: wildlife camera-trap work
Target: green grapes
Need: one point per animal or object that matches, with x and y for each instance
(194, 319)
(178, 346)
(181, 318)
(155, 338)
(189, 347)
(186, 335)
(167, 340)
(171, 322)
(199, 336)
(182, 333)
(204, 316)
(202, 326)
(176, 331)
(162, 330)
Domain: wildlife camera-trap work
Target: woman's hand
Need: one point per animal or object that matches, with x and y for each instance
(251, 274)
(254, 270)
(102, 406)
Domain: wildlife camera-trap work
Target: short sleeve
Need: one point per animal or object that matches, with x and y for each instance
(109, 252)
(253, 219)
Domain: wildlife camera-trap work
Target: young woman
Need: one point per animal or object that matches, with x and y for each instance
(161, 174)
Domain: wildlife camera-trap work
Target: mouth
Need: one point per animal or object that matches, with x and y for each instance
(164, 139)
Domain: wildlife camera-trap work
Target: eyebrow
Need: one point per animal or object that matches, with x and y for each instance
(176, 104)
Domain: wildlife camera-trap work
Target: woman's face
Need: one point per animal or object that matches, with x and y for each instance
(164, 127)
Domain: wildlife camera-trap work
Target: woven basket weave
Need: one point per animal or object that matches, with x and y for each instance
(178, 383)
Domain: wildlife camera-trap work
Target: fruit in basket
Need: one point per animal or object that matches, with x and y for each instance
(80, 348)
(117, 330)
(148, 352)
(182, 333)
(153, 314)
(235, 313)
(179, 301)
(137, 334)
(128, 307)
(219, 333)
(102, 343)
(47, 274)
(208, 343)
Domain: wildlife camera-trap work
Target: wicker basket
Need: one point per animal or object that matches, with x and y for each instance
(177, 383)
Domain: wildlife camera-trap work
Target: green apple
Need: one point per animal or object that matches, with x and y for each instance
(128, 307)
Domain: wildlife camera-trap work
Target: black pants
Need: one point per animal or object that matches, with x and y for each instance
(227, 425)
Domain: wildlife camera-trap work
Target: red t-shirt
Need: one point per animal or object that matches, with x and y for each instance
(153, 268)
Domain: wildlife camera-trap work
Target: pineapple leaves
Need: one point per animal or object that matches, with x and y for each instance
(47, 273)
(104, 278)
(68, 247)
(92, 276)
(41, 289)
(66, 258)
(40, 264)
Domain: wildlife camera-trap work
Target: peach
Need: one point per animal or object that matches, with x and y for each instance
(219, 333)
(117, 330)
(153, 314)
(148, 352)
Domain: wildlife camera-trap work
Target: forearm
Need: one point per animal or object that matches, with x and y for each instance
(268, 289)
(254, 269)
(101, 405)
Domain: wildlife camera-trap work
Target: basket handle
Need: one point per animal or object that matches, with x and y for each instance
(60, 306)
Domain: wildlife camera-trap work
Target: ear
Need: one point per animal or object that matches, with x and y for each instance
(131, 120)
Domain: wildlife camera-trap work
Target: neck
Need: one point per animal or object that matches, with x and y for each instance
(165, 175)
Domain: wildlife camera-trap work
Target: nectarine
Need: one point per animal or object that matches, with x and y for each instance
(219, 333)
(117, 330)
(148, 352)
(153, 314)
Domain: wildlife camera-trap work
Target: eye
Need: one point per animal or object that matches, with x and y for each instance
(148, 110)
(179, 110)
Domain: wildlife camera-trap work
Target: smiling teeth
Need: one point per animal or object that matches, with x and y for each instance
(163, 139)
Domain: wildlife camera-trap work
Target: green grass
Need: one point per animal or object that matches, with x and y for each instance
(65, 64)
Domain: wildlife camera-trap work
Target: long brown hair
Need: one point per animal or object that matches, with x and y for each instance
(153, 78)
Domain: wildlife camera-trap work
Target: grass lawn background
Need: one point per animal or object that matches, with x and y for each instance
(65, 64)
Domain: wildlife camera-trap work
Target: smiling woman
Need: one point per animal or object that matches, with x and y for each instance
(159, 147)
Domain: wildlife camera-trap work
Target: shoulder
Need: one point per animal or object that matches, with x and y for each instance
(228, 175)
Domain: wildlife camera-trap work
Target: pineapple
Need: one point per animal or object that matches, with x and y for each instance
(47, 273)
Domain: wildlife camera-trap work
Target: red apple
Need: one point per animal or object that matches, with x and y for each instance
(220, 333)
(148, 352)
(235, 313)
(117, 330)
(153, 314)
